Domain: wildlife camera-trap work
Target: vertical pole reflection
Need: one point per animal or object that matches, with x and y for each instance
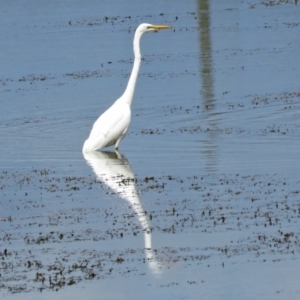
(207, 92)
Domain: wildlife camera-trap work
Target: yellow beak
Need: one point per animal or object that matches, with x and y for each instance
(159, 27)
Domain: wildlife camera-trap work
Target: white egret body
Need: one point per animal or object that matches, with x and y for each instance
(112, 125)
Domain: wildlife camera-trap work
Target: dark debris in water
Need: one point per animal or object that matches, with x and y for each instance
(272, 3)
(285, 102)
(50, 240)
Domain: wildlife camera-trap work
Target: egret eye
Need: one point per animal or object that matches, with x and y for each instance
(149, 27)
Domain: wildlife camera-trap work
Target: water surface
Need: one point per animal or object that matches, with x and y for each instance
(203, 200)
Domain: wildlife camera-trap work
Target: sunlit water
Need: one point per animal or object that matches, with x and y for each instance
(217, 96)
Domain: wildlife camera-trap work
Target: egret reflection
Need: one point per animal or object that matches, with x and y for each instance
(113, 169)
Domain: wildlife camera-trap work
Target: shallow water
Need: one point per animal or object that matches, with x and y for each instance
(204, 199)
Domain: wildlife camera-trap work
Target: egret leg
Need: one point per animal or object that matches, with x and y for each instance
(117, 143)
(120, 139)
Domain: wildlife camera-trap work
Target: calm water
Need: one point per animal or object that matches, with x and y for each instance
(217, 96)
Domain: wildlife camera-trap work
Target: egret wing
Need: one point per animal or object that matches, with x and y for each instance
(110, 126)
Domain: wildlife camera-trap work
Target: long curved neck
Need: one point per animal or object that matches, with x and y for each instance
(129, 92)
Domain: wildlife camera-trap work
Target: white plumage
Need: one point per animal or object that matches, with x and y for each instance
(112, 125)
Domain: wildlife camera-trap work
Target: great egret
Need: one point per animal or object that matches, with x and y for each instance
(112, 125)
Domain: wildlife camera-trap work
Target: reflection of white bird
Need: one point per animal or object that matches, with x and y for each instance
(112, 125)
(113, 169)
